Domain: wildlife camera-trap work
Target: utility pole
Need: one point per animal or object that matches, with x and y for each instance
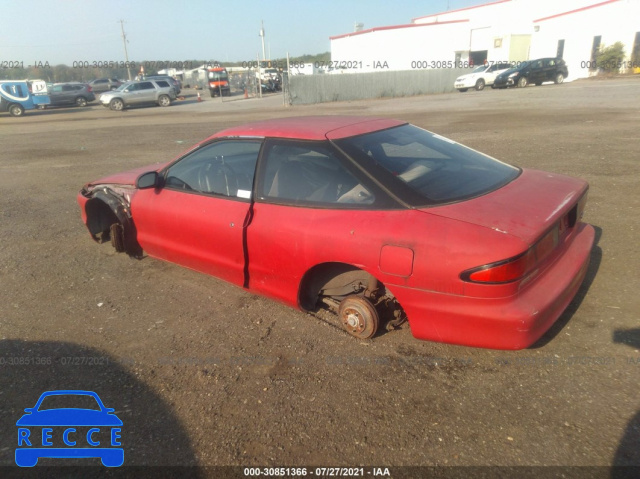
(126, 55)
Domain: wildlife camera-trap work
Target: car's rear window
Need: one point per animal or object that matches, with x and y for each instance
(424, 168)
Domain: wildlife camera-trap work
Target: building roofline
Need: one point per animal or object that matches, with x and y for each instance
(575, 11)
(395, 27)
(460, 9)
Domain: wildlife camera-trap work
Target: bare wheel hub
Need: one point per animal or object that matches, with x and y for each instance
(359, 317)
(353, 320)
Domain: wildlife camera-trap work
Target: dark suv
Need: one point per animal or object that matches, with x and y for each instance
(67, 94)
(104, 84)
(533, 71)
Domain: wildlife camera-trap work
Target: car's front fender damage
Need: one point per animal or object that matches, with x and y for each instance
(107, 215)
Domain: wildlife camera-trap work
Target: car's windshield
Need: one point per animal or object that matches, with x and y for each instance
(479, 69)
(425, 168)
(122, 87)
(216, 76)
(64, 401)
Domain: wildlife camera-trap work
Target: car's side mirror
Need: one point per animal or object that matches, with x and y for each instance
(151, 179)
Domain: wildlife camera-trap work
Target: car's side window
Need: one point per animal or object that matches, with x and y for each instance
(162, 83)
(223, 168)
(309, 173)
(147, 85)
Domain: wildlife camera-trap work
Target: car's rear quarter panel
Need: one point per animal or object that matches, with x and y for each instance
(284, 242)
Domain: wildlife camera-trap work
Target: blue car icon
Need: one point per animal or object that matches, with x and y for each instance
(52, 429)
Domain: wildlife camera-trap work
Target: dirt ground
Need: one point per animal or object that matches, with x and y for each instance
(203, 373)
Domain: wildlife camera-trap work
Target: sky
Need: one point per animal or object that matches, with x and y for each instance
(67, 31)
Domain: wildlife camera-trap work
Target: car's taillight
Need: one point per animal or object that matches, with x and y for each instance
(89, 89)
(504, 271)
(516, 267)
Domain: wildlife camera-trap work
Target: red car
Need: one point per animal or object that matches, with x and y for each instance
(375, 219)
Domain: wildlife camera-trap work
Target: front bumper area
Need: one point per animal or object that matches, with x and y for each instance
(514, 322)
(504, 83)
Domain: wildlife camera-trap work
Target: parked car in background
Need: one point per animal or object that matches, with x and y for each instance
(104, 84)
(67, 94)
(218, 80)
(375, 219)
(533, 71)
(267, 74)
(16, 96)
(481, 76)
(128, 94)
(177, 86)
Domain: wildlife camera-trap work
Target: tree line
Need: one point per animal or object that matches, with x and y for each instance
(86, 72)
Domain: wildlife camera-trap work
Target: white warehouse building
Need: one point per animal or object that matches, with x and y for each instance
(577, 34)
(504, 30)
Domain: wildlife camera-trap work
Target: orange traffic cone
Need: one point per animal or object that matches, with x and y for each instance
(199, 99)
(246, 93)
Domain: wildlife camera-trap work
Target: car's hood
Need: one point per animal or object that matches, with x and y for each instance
(526, 208)
(128, 177)
(508, 72)
(69, 417)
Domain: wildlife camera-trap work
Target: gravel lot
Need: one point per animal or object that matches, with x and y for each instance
(203, 373)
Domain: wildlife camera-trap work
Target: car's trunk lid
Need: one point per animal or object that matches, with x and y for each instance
(526, 208)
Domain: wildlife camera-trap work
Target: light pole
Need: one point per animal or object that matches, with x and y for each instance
(262, 37)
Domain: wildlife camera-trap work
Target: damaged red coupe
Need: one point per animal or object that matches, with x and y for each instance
(374, 219)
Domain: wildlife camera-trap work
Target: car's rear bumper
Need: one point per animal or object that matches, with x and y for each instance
(514, 322)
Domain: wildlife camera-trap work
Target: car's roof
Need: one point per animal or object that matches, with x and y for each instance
(311, 127)
(129, 82)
